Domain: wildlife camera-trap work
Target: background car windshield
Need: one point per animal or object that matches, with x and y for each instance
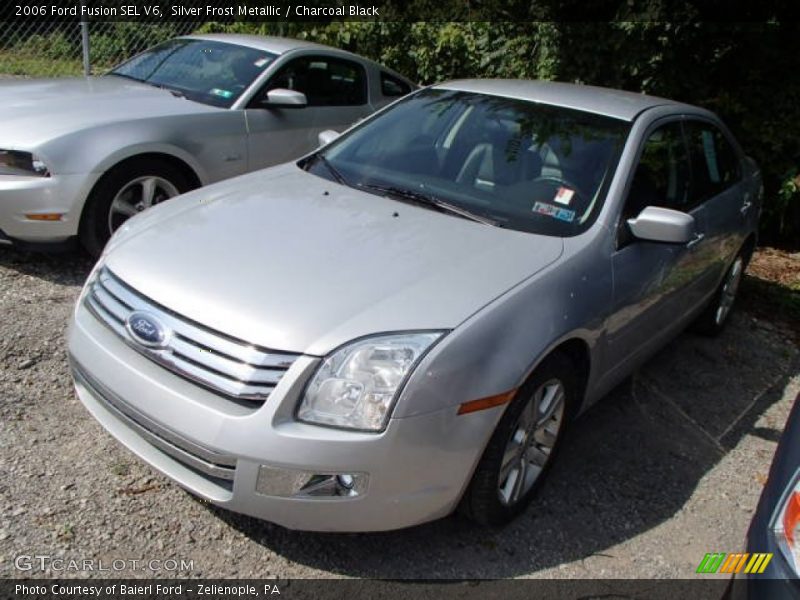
(527, 166)
(214, 73)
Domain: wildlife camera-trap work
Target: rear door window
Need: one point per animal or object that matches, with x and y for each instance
(715, 163)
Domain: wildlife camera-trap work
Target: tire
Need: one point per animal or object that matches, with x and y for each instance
(122, 192)
(715, 316)
(491, 497)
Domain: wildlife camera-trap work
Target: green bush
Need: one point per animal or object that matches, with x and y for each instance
(55, 46)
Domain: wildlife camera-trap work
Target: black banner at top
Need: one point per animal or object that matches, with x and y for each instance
(155, 11)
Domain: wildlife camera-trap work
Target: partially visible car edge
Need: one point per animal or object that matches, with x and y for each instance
(775, 528)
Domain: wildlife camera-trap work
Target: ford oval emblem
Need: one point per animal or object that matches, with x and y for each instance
(147, 330)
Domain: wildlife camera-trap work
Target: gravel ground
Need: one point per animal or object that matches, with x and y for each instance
(661, 472)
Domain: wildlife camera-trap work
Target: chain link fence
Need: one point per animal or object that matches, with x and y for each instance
(58, 49)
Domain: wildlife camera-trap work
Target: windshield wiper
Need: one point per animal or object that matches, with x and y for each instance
(337, 176)
(432, 201)
(175, 92)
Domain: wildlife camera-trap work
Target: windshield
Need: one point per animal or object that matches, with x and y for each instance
(210, 72)
(516, 164)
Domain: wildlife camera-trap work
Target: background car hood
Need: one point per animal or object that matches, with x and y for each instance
(290, 261)
(38, 110)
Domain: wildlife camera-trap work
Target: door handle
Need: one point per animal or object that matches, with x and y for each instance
(698, 237)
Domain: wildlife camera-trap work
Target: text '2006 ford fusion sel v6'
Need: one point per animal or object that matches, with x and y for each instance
(405, 321)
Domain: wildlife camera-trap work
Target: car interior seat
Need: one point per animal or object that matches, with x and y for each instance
(502, 158)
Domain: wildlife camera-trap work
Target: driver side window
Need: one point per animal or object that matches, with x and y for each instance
(324, 80)
(661, 178)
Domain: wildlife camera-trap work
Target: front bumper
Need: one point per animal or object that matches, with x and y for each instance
(62, 194)
(417, 468)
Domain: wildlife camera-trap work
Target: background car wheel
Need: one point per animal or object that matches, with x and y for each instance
(124, 191)
(524, 444)
(715, 316)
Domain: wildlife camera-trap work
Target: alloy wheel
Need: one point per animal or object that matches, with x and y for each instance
(729, 289)
(532, 441)
(137, 195)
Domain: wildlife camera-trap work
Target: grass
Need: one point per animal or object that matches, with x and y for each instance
(771, 289)
(12, 63)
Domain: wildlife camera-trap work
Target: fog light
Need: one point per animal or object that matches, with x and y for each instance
(274, 481)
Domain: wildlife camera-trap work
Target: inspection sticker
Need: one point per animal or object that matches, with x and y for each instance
(562, 214)
(564, 195)
(221, 93)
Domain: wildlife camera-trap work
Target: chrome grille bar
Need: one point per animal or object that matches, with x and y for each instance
(224, 364)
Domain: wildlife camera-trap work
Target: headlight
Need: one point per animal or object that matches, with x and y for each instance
(786, 524)
(13, 162)
(356, 386)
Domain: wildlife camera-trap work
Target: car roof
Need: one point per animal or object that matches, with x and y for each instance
(274, 44)
(602, 101)
(282, 45)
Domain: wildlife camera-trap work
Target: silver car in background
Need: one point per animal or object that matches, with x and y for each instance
(405, 321)
(80, 156)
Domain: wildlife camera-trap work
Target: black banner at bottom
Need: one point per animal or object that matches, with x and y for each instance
(322, 589)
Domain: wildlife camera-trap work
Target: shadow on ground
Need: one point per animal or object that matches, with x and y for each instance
(630, 464)
(62, 268)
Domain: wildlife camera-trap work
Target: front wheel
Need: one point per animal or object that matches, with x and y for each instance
(523, 446)
(124, 191)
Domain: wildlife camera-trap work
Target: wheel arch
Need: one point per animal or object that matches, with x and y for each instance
(185, 168)
(184, 163)
(85, 228)
(577, 351)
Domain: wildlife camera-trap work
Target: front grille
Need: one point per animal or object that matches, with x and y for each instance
(217, 468)
(223, 364)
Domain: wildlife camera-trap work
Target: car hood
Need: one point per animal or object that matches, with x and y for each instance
(37, 110)
(287, 260)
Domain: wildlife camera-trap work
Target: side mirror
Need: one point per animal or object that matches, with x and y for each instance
(282, 98)
(326, 137)
(657, 224)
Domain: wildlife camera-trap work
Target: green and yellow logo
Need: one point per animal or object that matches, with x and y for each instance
(719, 562)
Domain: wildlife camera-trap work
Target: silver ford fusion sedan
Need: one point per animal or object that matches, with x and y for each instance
(406, 321)
(80, 156)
